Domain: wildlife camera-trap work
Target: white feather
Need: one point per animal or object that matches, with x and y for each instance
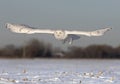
(90, 33)
(26, 29)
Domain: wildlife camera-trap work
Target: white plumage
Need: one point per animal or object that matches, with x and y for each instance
(63, 35)
(25, 29)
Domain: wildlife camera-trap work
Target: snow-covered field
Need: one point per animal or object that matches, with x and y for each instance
(59, 71)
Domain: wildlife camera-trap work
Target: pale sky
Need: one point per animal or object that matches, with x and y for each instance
(81, 15)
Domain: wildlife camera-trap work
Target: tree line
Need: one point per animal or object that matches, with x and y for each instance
(94, 51)
(38, 49)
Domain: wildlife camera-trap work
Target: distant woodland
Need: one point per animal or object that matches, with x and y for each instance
(38, 49)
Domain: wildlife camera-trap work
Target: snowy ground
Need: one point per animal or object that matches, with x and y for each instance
(55, 71)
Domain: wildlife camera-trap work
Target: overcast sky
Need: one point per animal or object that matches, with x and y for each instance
(61, 14)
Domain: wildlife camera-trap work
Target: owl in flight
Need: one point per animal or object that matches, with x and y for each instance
(63, 35)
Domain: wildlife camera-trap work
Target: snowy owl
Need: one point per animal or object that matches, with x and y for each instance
(63, 35)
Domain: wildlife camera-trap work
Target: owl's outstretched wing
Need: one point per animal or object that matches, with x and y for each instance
(26, 29)
(99, 32)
